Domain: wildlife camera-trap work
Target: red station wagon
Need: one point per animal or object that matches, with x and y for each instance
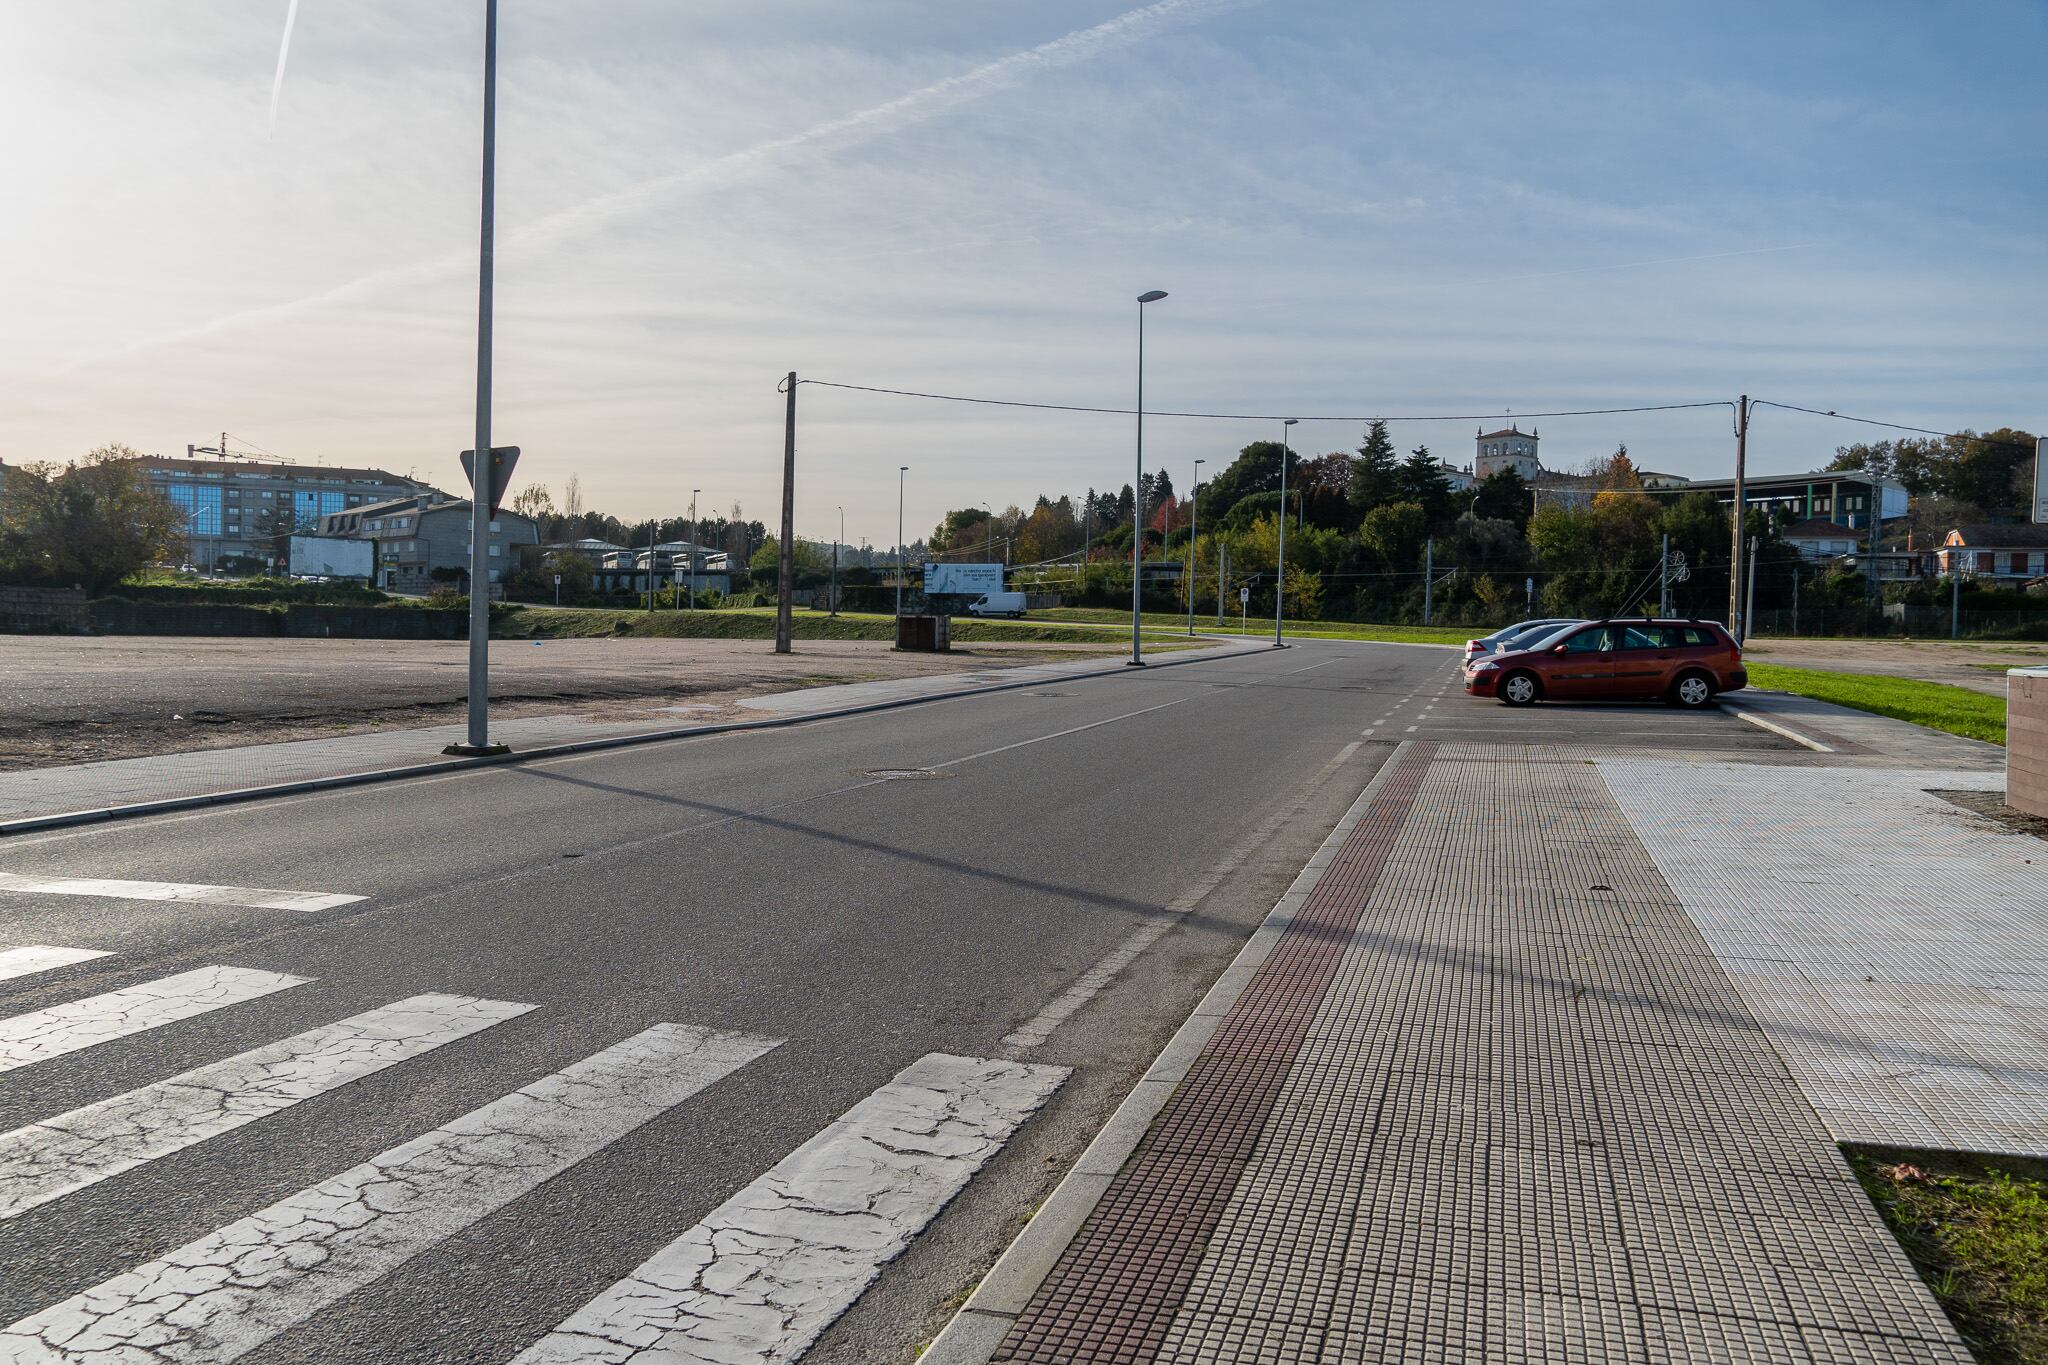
(1684, 662)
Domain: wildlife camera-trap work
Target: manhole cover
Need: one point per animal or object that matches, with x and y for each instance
(900, 774)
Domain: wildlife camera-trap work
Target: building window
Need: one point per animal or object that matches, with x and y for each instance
(1984, 559)
(494, 551)
(495, 527)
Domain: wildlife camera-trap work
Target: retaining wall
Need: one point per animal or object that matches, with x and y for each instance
(42, 611)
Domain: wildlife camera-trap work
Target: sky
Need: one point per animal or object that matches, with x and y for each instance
(1357, 208)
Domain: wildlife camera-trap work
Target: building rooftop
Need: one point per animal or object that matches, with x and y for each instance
(2016, 536)
(1510, 431)
(267, 470)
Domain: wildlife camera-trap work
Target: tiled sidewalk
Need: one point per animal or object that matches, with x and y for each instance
(1490, 1097)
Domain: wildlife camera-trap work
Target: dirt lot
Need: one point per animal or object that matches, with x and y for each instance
(1977, 665)
(75, 700)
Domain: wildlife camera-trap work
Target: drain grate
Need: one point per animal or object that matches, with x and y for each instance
(900, 774)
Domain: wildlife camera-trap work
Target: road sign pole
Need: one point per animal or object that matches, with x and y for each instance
(479, 741)
(786, 569)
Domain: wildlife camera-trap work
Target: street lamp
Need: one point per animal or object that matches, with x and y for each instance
(1189, 585)
(1280, 576)
(901, 470)
(478, 740)
(1138, 490)
(693, 547)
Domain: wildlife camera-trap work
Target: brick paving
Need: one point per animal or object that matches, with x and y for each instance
(1492, 1097)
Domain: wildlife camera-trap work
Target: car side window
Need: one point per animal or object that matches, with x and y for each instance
(1645, 637)
(1598, 640)
(1696, 637)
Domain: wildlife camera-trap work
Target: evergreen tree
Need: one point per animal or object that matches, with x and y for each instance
(1421, 480)
(1375, 473)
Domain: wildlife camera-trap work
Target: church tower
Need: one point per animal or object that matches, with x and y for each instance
(1510, 449)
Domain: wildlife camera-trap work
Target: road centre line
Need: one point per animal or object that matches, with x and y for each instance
(30, 1038)
(36, 958)
(1058, 734)
(766, 1272)
(237, 1288)
(1324, 664)
(114, 888)
(47, 1160)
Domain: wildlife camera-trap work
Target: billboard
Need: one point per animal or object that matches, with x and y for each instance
(332, 557)
(2041, 478)
(969, 579)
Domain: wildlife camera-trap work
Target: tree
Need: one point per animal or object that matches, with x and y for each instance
(572, 497)
(535, 503)
(1504, 496)
(1255, 470)
(91, 522)
(1422, 481)
(1395, 531)
(1375, 473)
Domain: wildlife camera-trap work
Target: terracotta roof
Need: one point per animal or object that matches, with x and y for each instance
(1511, 431)
(2021, 536)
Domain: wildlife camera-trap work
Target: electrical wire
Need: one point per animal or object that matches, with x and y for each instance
(1894, 426)
(1250, 416)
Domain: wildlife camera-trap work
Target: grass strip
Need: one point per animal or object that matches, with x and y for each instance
(1976, 1228)
(549, 623)
(1256, 627)
(1939, 706)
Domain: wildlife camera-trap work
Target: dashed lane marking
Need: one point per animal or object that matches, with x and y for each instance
(41, 958)
(233, 1290)
(252, 897)
(47, 1160)
(771, 1268)
(30, 1038)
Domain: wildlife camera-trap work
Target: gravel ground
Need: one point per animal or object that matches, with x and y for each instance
(80, 699)
(1961, 663)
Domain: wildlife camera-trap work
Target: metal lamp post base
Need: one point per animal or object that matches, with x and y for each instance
(477, 750)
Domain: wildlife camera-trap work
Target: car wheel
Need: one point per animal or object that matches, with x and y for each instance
(1520, 689)
(1692, 690)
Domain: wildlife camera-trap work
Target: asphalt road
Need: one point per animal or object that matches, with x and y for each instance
(769, 885)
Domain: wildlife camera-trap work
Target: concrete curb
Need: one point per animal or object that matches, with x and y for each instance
(1782, 731)
(975, 1332)
(135, 809)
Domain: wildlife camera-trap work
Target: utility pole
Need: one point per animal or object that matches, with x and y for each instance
(1664, 579)
(901, 470)
(1222, 575)
(1795, 597)
(786, 577)
(1189, 586)
(693, 547)
(652, 527)
(1428, 578)
(1280, 568)
(1749, 590)
(835, 561)
(480, 485)
(1737, 623)
(1955, 602)
(1087, 511)
(1138, 494)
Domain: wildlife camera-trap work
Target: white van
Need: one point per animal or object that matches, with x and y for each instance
(997, 604)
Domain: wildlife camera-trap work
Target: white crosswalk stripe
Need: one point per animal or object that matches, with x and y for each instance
(229, 1292)
(253, 897)
(776, 1264)
(42, 958)
(46, 1160)
(30, 1038)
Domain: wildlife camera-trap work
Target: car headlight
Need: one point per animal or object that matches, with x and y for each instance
(1483, 665)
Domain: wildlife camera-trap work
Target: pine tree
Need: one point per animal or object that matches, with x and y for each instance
(1375, 474)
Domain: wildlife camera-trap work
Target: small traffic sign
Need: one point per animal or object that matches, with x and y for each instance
(1244, 595)
(502, 460)
(558, 580)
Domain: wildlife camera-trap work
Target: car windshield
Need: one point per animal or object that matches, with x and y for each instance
(1542, 637)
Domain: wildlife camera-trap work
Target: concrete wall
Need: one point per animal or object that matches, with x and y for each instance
(40, 611)
(114, 617)
(2026, 740)
(376, 623)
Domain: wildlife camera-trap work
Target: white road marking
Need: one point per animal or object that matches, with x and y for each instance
(1057, 734)
(775, 1265)
(39, 958)
(47, 1160)
(254, 897)
(30, 1038)
(231, 1291)
(1292, 671)
(1368, 730)
(1412, 729)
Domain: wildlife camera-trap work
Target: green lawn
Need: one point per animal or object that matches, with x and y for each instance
(758, 623)
(1976, 1227)
(1939, 706)
(1263, 626)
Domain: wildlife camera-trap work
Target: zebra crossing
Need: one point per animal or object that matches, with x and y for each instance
(758, 1279)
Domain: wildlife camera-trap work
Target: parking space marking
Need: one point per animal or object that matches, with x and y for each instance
(42, 958)
(251, 897)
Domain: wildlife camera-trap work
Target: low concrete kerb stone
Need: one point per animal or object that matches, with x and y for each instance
(1782, 731)
(132, 810)
(978, 1329)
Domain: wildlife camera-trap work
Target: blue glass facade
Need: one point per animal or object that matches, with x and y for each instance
(201, 506)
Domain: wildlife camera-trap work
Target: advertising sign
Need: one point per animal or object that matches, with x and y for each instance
(967, 579)
(331, 557)
(2041, 479)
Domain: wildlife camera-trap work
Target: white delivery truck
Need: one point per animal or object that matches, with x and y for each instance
(997, 604)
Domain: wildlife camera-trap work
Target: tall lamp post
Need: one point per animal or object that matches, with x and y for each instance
(1189, 585)
(901, 470)
(1280, 576)
(1138, 491)
(694, 547)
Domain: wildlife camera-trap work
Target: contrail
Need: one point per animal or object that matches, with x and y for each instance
(950, 92)
(284, 50)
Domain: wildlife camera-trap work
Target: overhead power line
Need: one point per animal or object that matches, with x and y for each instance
(1893, 426)
(1255, 416)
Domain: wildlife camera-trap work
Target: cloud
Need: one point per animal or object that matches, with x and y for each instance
(596, 213)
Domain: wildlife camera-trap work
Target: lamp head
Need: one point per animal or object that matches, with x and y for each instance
(1152, 296)
(1290, 422)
